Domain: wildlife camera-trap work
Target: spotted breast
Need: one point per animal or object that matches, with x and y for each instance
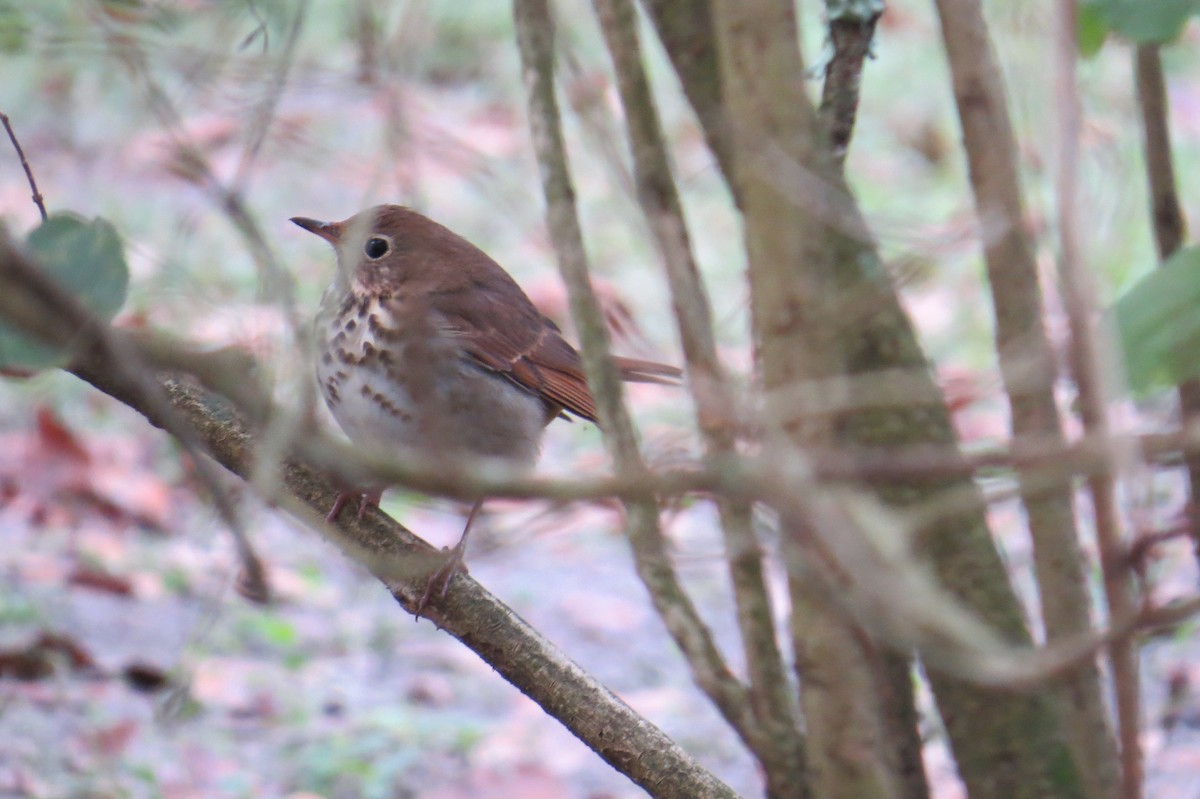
(393, 373)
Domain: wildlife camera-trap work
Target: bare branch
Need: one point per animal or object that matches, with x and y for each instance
(274, 281)
(38, 200)
(890, 595)
(1170, 227)
(264, 112)
(851, 30)
(686, 30)
(626, 741)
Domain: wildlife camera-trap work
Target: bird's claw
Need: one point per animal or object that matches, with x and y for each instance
(367, 499)
(439, 582)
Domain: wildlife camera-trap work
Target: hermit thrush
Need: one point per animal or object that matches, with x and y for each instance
(423, 342)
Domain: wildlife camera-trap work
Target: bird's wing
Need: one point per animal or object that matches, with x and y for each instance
(516, 341)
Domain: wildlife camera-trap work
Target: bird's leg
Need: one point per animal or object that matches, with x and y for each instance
(439, 581)
(369, 499)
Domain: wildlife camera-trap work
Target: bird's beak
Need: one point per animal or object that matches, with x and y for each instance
(330, 231)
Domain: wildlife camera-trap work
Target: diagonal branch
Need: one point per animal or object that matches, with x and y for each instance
(851, 33)
(38, 199)
(274, 280)
(535, 39)
(686, 30)
(625, 740)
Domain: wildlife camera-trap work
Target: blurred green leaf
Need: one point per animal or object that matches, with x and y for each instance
(1158, 322)
(85, 258)
(1090, 30)
(1142, 21)
(276, 631)
(14, 28)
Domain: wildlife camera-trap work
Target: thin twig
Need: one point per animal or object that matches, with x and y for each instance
(471, 615)
(686, 31)
(274, 281)
(889, 595)
(1170, 226)
(231, 374)
(1090, 370)
(589, 99)
(1166, 212)
(261, 29)
(851, 34)
(37, 195)
(517, 652)
(264, 112)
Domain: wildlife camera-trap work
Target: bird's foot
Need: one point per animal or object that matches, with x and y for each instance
(369, 499)
(439, 582)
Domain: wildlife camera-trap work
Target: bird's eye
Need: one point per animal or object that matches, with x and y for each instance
(376, 248)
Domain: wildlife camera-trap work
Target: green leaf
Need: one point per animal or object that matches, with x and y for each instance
(277, 631)
(85, 258)
(1143, 21)
(1090, 30)
(14, 28)
(1158, 322)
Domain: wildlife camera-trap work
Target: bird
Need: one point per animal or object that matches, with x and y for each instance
(426, 344)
